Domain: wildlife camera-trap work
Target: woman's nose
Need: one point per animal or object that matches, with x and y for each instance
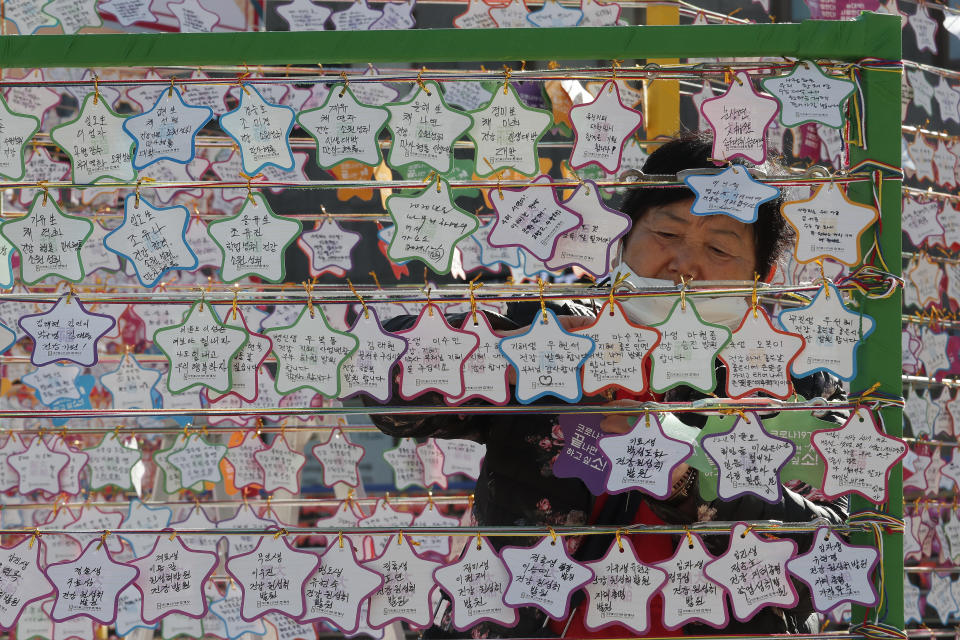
(685, 265)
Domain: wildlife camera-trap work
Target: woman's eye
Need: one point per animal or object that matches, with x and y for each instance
(666, 235)
(720, 252)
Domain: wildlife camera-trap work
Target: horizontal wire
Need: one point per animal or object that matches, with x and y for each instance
(943, 135)
(911, 255)
(405, 500)
(700, 528)
(929, 193)
(488, 183)
(414, 295)
(707, 405)
(940, 71)
(335, 75)
(930, 382)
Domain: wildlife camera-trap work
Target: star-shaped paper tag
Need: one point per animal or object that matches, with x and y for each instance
(621, 348)
(67, 331)
(599, 14)
(759, 357)
(18, 129)
(621, 589)
(261, 130)
(304, 15)
(548, 360)
(246, 364)
(532, 218)
(475, 584)
(96, 142)
(167, 131)
(200, 350)
(461, 456)
(543, 576)
(48, 240)
(506, 133)
(920, 221)
(345, 128)
(240, 456)
(111, 463)
(588, 245)
(428, 226)
(435, 357)
(337, 587)
(940, 596)
(407, 585)
(281, 465)
(272, 577)
(73, 15)
(687, 350)
(424, 129)
(601, 128)
(512, 15)
(431, 459)
(582, 456)
(369, 369)
(836, 572)
(128, 12)
(644, 458)
(477, 16)
(921, 153)
(945, 163)
(229, 610)
(924, 28)
(739, 119)
(171, 579)
(153, 240)
(328, 246)
(754, 572)
(143, 517)
(21, 580)
(436, 547)
(357, 17)
(28, 16)
(406, 464)
(749, 459)
(829, 225)
(197, 519)
(339, 458)
(253, 241)
(695, 597)
(310, 353)
(485, 370)
(94, 595)
(807, 94)
(933, 352)
(834, 351)
(553, 14)
(859, 457)
(733, 192)
(948, 99)
(198, 461)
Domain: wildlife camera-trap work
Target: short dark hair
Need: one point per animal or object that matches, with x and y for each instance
(771, 232)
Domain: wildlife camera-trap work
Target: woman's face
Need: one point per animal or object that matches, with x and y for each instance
(669, 242)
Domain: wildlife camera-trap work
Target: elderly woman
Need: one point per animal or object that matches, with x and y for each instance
(517, 485)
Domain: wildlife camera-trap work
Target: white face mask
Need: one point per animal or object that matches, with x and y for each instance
(649, 310)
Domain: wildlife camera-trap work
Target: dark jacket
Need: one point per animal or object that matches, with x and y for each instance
(517, 486)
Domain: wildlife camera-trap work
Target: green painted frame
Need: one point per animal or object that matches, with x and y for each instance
(869, 36)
